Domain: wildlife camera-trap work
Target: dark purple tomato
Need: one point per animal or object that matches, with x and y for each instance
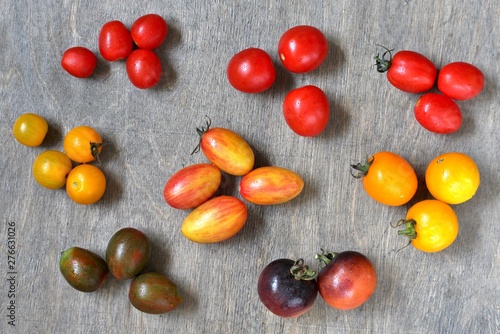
(286, 294)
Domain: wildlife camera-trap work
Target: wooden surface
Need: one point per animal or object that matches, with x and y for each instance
(149, 135)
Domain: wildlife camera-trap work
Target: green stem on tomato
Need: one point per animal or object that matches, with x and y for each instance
(302, 272)
(383, 64)
(408, 231)
(325, 258)
(362, 169)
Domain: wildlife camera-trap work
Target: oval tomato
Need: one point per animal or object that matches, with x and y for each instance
(51, 168)
(438, 113)
(460, 81)
(218, 219)
(431, 225)
(85, 184)
(154, 293)
(306, 110)
(388, 178)
(83, 144)
(302, 49)
(270, 185)
(30, 129)
(452, 177)
(143, 68)
(251, 71)
(408, 71)
(115, 41)
(149, 31)
(82, 269)
(79, 61)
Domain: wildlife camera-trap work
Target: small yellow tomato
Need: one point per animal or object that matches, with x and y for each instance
(51, 168)
(83, 144)
(30, 129)
(452, 177)
(86, 184)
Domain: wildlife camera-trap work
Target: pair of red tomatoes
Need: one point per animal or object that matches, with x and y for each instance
(301, 49)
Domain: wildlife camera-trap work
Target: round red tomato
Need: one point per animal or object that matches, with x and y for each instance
(149, 31)
(460, 81)
(79, 61)
(115, 41)
(408, 71)
(302, 49)
(438, 113)
(143, 68)
(251, 71)
(306, 110)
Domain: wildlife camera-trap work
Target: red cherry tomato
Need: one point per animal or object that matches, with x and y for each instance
(149, 31)
(251, 71)
(302, 49)
(408, 71)
(115, 41)
(79, 61)
(438, 113)
(460, 81)
(306, 110)
(143, 68)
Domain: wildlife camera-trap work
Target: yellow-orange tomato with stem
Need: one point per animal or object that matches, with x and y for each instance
(30, 129)
(388, 178)
(83, 144)
(51, 168)
(86, 184)
(452, 177)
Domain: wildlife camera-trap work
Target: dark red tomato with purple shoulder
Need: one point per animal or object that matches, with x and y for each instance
(143, 68)
(438, 113)
(251, 71)
(287, 288)
(149, 31)
(115, 41)
(79, 61)
(408, 71)
(460, 81)
(306, 110)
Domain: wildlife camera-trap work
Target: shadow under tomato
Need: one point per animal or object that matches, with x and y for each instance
(54, 135)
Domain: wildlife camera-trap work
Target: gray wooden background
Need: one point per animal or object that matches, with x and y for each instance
(149, 135)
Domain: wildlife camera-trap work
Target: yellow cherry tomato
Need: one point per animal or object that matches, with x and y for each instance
(388, 178)
(86, 184)
(30, 129)
(452, 177)
(83, 144)
(431, 225)
(51, 168)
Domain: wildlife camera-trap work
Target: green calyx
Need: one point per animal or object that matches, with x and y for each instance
(94, 150)
(383, 64)
(300, 271)
(201, 130)
(325, 258)
(408, 230)
(362, 169)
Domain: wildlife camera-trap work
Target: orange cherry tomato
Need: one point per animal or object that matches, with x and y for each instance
(86, 184)
(388, 178)
(51, 168)
(83, 144)
(30, 129)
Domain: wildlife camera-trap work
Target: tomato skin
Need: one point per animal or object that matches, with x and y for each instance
(85, 184)
(149, 31)
(115, 41)
(438, 113)
(82, 144)
(452, 177)
(302, 49)
(460, 81)
(251, 71)
(216, 220)
(51, 168)
(306, 110)
(270, 185)
(143, 68)
(82, 269)
(30, 129)
(154, 293)
(79, 61)
(192, 186)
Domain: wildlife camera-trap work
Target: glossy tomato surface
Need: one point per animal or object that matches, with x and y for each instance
(460, 81)
(438, 113)
(251, 71)
(149, 31)
(30, 129)
(154, 293)
(51, 168)
(79, 61)
(115, 41)
(82, 269)
(85, 184)
(143, 68)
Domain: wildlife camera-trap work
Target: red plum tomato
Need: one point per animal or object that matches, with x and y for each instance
(149, 31)
(115, 41)
(251, 71)
(438, 113)
(143, 68)
(460, 81)
(79, 61)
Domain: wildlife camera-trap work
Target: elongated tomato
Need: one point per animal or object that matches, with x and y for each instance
(192, 186)
(216, 220)
(270, 185)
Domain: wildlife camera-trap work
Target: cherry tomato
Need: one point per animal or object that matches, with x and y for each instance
(143, 68)
(408, 71)
(287, 288)
(306, 110)
(51, 168)
(302, 49)
(149, 31)
(85, 184)
(460, 81)
(251, 71)
(79, 61)
(115, 41)
(83, 144)
(347, 281)
(388, 178)
(438, 113)
(431, 225)
(154, 293)
(452, 177)
(82, 269)
(30, 129)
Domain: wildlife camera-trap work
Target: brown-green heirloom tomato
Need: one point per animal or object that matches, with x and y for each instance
(82, 269)
(154, 293)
